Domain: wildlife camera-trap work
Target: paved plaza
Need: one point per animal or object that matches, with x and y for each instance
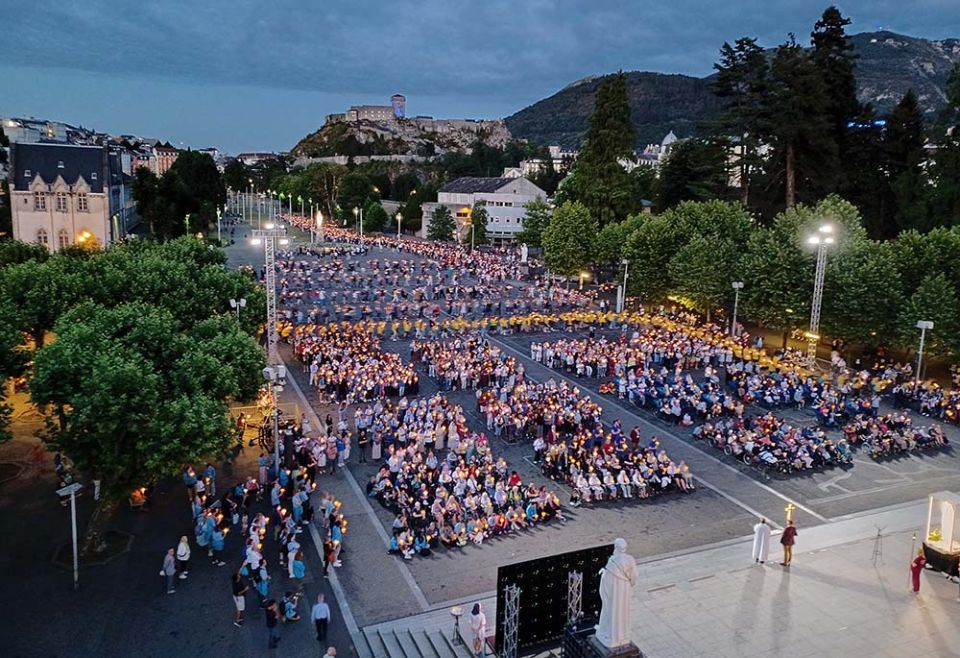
(699, 592)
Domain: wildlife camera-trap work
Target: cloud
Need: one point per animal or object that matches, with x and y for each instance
(424, 47)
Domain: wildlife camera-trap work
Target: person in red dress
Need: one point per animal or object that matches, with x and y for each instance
(915, 568)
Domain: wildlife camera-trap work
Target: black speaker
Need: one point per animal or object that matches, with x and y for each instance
(543, 594)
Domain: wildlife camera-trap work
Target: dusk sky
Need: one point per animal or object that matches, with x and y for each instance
(243, 75)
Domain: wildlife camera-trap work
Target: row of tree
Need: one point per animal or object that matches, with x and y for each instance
(875, 291)
(147, 352)
(184, 200)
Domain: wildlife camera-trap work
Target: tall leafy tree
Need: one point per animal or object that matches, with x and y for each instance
(696, 170)
(478, 224)
(135, 396)
(569, 238)
(375, 217)
(742, 81)
(804, 161)
(703, 270)
(598, 179)
(934, 300)
(13, 358)
(236, 176)
(442, 225)
(536, 218)
(862, 285)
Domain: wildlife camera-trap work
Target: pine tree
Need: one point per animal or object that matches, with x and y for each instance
(835, 61)
(695, 171)
(904, 156)
(442, 226)
(742, 80)
(598, 179)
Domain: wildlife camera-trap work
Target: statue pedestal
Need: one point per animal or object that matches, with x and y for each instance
(623, 651)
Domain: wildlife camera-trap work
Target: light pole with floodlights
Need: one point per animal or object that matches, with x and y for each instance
(737, 287)
(238, 304)
(823, 238)
(922, 325)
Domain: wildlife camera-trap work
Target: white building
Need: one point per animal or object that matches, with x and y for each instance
(65, 194)
(654, 155)
(505, 199)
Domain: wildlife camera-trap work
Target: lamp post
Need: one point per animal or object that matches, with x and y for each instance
(71, 490)
(238, 304)
(922, 325)
(623, 293)
(358, 213)
(219, 240)
(823, 238)
(737, 287)
(399, 222)
(300, 199)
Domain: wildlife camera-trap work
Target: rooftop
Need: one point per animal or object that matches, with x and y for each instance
(48, 160)
(471, 185)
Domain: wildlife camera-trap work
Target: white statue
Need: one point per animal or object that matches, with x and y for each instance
(617, 580)
(523, 252)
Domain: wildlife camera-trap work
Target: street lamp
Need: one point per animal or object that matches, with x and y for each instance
(623, 293)
(737, 287)
(822, 239)
(358, 212)
(274, 376)
(238, 304)
(922, 325)
(399, 221)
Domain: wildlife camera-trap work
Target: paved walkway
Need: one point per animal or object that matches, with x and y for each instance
(835, 599)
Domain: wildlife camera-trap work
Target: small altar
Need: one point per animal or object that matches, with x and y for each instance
(941, 542)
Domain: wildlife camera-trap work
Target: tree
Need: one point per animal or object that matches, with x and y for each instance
(652, 242)
(778, 267)
(14, 252)
(919, 255)
(135, 397)
(796, 123)
(478, 224)
(13, 358)
(696, 170)
(862, 285)
(945, 170)
(608, 247)
(599, 180)
(403, 185)
(742, 81)
(905, 157)
(355, 191)
(236, 176)
(324, 181)
(375, 217)
(536, 218)
(834, 58)
(442, 226)
(703, 270)
(146, 195)
(934, 300)
(569, 238)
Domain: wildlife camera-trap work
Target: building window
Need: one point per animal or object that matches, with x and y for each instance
(93, 175)
(60, 164)
(43, 238)
(61, 202)
(63, 239)
(39, 201)
(82, 202)
(26, 173)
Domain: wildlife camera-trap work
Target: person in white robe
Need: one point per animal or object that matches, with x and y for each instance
(761, 541)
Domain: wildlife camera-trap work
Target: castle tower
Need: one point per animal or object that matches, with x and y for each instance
(399, 104)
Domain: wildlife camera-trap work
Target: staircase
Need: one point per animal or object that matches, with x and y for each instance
(375, 642)
(406, 643)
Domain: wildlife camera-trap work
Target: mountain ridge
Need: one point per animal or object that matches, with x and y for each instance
(888, 65)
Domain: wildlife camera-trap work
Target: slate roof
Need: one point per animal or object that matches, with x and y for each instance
(44, 160)
(470, 185)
